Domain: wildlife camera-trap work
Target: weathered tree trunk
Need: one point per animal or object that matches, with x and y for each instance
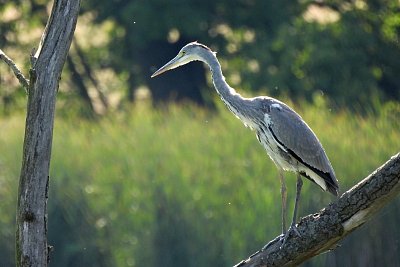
(31, 236)
(321, 232)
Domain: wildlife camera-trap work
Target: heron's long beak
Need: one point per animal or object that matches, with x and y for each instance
(172, 64)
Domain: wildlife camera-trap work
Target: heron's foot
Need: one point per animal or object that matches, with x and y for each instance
(277, 239)
(284, 236)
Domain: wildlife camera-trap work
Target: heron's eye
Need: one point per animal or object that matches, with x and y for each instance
(183, 53)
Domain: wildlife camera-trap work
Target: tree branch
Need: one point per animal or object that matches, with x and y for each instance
(89, 74)
(77, 79)
(21, 78)
(321, 232)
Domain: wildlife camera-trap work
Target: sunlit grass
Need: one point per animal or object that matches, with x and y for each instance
(134, 186)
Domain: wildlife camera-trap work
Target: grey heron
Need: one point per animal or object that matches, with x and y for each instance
(288, 140)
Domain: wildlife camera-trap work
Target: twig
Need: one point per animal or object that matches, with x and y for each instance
(21, 78)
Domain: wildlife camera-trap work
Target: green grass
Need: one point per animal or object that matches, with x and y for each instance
(186, 187)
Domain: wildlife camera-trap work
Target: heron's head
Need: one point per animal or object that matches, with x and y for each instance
(190, 52)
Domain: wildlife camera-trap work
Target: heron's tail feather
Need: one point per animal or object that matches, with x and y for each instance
(328, 179)
(331, 184)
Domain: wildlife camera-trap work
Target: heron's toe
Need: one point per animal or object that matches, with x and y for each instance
(293, 228)
(277, 239)
(284, 236)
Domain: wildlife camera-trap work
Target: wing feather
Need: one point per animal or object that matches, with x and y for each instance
(294, 133)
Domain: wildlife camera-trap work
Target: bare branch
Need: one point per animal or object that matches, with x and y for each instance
(321, 232)
(90, 75)
(21, 78)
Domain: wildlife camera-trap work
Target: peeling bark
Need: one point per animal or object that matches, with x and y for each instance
(31, 236)
(321, 232)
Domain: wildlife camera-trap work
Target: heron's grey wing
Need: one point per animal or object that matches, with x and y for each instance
(294, 134)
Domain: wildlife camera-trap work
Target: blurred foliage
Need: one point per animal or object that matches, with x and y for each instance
(185, 187)
(181, 185)
(348, 50)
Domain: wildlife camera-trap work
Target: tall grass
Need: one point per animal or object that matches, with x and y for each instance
(187, 187)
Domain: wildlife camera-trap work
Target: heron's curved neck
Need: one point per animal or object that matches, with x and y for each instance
(230, 97)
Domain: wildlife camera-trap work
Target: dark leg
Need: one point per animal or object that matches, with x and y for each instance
(296, 203)
(284, 197)
(293, 227)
